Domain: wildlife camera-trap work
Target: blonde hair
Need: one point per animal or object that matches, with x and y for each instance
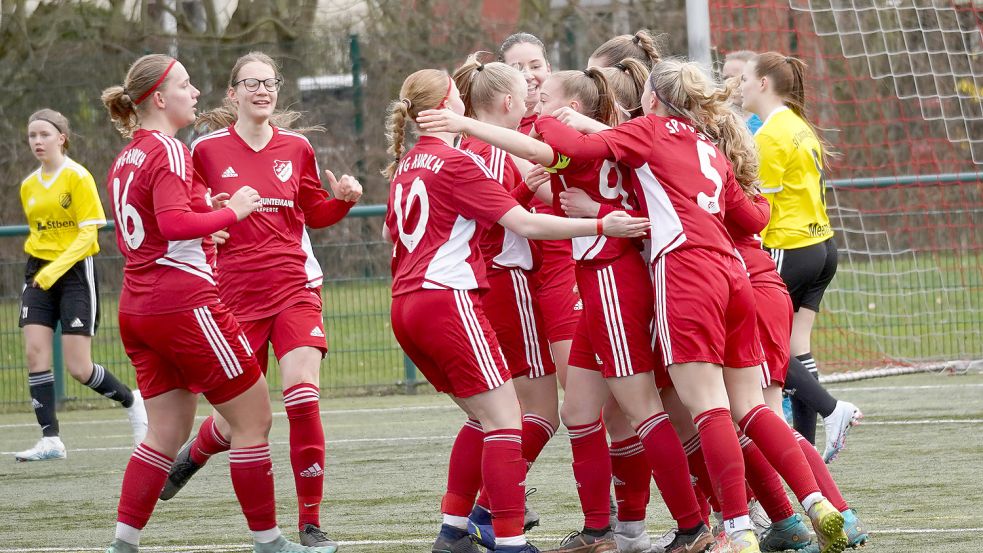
(480, 83)
(421, 91)
(640, 46)
(227, 114)
(120, 101)
(591, 89)
(57, 120)
(627, 80)
(686, 90)
(741, 55)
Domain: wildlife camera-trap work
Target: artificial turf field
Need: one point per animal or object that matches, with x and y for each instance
(913, 471)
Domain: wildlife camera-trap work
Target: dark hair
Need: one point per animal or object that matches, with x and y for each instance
(640, 46)
(627, 81)
(521, 38)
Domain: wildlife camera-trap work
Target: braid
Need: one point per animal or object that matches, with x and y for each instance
(395, 133)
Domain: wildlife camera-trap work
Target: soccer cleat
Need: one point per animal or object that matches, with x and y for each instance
(855, 532)
(47, 448)
(827, 522)
(453, 540)
(137, 414)
(531, 518)
(837, 424)
(181, 471)
(524, 548)
(783, 535)
(758, 517)
(283, 545)
(659, 546)
(742, 541)
(120, 546)
(700, 540)
(631, 537)
(787, 409)
(579, 542)
(312, 536)
(613, 513)
(480, 527)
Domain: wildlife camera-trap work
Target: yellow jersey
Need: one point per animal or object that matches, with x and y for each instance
(63, 214)
(793, 182)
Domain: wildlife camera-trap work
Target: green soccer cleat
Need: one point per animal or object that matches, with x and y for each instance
(787, 534)
(120, 546)
(855, 532)
(827, 522)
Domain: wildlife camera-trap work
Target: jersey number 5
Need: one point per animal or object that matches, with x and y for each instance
(419, 191)
(711, 204)
(127, 215)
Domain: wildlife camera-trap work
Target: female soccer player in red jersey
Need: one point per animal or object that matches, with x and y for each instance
(494, 93)
(613, 343)
(161, 219)
(706, 335)
(268, 274)
(439, 199)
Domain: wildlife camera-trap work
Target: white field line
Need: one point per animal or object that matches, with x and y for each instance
(921, 422)
(244, 547)
(898, 388)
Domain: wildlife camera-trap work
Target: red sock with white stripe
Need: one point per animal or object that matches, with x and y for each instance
(252, 479)
(725, 466)
(463, 474)
(208, 442)
(668, 461)
(592, 472)
(503, 472)
(536, 432)
(632, 476)
(142, 482)
(827, 486)
(775, 441)
(704, 504)
(698, 470)
(302, 403)
(765, 482)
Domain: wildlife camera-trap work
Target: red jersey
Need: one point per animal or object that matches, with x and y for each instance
(744, 219)
(438, 198)
(267, 260)
(500, 247)
(679, 171)
(605, 182)
(150, 177)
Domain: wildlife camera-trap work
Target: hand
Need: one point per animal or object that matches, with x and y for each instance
(220, 237)
(244, 201)
(442, 120)
(621, 225)
(536, 177)
(347, 189)
(219, 200)
(576, 203)
(578, 121)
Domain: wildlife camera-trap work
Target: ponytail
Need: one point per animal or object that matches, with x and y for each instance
(627, 81)
(146, 75)
(423, 90)
(396, 133)
(480, 83)
(606, 110)
(640, 46)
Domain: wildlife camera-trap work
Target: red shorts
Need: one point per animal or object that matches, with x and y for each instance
(297, 325)
(556, 289)
(615, 334)
(446, 334)
(201, 350)
(514, 314)
(775, 330)
(704, 310)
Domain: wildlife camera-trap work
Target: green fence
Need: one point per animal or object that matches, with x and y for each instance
(363, 355)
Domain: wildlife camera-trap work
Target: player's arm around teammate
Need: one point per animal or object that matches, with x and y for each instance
(64, 215)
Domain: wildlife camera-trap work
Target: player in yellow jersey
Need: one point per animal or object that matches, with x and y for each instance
(63, 215)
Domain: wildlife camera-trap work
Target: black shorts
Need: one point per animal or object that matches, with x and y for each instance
(807, 272)
(73, 299)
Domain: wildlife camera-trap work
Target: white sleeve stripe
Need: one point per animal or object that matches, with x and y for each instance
(175, 155)
(169, 147)
(480, 163)
(215, 134)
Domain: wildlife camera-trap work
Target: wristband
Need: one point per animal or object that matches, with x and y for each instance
(600, 227)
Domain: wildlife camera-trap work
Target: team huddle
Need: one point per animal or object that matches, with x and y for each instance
(601, 230)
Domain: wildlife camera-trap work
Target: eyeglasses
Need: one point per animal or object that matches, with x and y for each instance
(252, 85)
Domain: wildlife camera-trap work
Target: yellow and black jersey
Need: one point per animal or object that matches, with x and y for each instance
(64, 214)
(793, 181)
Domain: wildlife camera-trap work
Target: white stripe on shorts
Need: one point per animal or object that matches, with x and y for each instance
(661, 316)
(90, 277)
(223, 352)
(479, 345)
(527, 318)
(611, 305)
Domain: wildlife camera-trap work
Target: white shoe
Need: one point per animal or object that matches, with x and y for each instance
(758, 517)
(137, 414)
(837, 424)
(631, 537)
(47, 448)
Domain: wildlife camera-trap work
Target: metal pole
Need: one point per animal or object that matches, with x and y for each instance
(409, 375)
(58, 360)
(698, 31)
(355, 52)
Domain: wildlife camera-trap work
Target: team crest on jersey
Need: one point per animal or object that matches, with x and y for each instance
(283, 169)
(65, 200)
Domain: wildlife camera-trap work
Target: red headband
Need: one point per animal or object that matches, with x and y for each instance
(447, 96)
(157, 84)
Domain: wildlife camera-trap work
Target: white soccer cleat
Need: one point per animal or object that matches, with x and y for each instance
(137, 413)
(631, 537)
(837, 424)
(46, 449)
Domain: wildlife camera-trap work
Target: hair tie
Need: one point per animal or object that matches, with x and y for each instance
(480, 67)
(788, 59)
(407, 103)
(587, 73)
(57, 128)
(620, 66)
(636, 39)
(156, 84)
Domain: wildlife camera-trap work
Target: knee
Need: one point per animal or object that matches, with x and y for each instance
(38, 357)
(80, 371)
(573, 414)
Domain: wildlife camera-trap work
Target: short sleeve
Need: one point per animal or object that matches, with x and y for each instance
(477, 195)
(773, 161)
(85, 201)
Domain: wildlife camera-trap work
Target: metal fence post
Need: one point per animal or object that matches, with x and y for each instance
(409, 375)
(58, 360)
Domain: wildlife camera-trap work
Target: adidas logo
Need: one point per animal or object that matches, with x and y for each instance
(579, 306)
(317, 332)
(36, 404)
(229, 173)
(617, 481)
(312, 471)
(76, 323)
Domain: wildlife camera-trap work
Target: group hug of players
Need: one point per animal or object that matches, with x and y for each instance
(600, 228)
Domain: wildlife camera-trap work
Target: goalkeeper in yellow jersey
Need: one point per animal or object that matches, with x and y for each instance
(63, 215)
